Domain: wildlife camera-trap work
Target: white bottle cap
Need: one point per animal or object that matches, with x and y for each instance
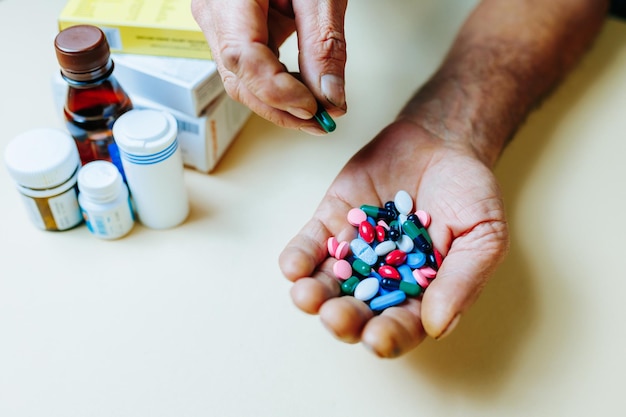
(100, 180)
(42, 159)
(153, 166)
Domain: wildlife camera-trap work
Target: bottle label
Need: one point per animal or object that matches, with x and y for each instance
(112, 223)
(60, 212)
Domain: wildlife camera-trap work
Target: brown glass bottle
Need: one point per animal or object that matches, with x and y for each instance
(95, 99)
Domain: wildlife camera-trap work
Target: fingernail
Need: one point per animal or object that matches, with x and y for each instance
(450, 328)
(300, 113)
(312, 131)
(333, 89)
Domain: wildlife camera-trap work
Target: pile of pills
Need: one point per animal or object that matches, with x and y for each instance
(392, 256)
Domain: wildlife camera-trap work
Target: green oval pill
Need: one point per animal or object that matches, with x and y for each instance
(348, 286)
(361, 267)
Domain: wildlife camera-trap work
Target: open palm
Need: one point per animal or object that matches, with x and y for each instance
(468, 227)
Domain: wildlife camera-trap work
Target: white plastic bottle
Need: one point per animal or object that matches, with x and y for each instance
(44, 164)
(153, 165)
(104, 200)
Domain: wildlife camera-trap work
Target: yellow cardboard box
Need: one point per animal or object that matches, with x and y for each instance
(151, 27)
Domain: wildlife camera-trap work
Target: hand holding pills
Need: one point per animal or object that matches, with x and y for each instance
(466, 225)
(245, 35)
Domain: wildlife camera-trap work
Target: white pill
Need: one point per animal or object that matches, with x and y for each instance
(405, 244)
(383, 248)
(403, 202)
(366, 289)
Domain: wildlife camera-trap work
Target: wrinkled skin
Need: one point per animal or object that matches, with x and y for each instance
(468, 227)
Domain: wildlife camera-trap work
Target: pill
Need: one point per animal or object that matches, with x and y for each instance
(348, 286)
(406, 273)
(416, 259)
(388, 271)
(383, 224)
(366, 289)
(418, 235)
(394, 231)
(361, 267)
(420, 278)
(381, 233)
(403, 202)
(405, 244)
(343, 248)
(428, 272)
(395, 257)
(383, 248)
(367, 231)
(342, 269)
(388, 300)
(379, 213)
(363, 251)
(324, 120)
(356, 216)
(423, 217)
(408, 288)
(332, 244)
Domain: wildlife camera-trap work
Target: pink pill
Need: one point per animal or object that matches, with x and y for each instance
(383, 224)
(342, 250)
(332, 243)
(423, 217)
(342, 269)
(428, 272)
(356, 216)
(420, 278)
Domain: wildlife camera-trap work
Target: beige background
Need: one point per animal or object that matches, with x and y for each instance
(196, 321)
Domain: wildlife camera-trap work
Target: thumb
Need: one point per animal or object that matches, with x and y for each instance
(322, 46)
(463, 274)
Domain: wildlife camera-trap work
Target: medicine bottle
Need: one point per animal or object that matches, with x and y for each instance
(95, 99)
(104, 200)
(153, 163)
(44, 164)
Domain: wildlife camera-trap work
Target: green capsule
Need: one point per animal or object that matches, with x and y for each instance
(361, 267)
(348, 286)
(410, 289)
(324, 120)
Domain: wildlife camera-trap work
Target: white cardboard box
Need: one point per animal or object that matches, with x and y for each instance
(184, 84)
(203, 139)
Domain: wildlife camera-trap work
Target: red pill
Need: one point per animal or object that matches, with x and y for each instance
(381, 233)
(396, 257)
(388, 271)
(366, 231)
(438, 257)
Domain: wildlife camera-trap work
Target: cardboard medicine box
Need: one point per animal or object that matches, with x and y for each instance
(184, 84)
(204, 139)
(151, 27)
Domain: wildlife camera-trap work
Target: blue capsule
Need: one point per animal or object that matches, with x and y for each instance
(390, 299)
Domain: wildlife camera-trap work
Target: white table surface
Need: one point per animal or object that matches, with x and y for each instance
(197, 320)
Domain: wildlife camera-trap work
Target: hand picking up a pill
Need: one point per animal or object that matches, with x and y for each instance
(244, 36)
(441, 149)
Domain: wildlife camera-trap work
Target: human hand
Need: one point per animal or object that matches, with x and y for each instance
(244, 36)
(468, 227)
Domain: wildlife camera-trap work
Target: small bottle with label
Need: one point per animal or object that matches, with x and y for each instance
(153, 164)
(95, 99)
(104, 200)
(44, 164)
